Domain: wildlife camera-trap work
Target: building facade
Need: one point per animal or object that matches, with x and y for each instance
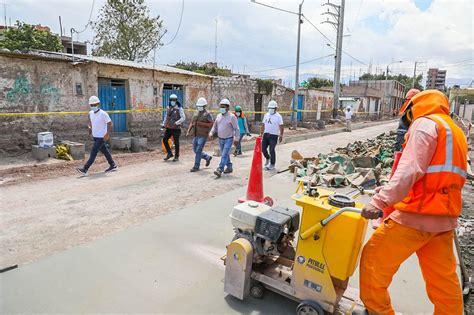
(436, 79)
(393, 93)
(40, 82)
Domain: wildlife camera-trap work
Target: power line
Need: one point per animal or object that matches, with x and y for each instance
(88, 22)
(324, 35)
(289, 66)
(179, 25)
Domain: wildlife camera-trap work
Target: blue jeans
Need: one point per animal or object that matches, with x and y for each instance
(238, 149)
(198, 146)
(225, 146)
(99, 145)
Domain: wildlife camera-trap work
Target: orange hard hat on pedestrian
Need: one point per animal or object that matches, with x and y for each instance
(408, 97)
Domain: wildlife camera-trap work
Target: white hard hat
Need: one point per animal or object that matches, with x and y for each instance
(348, 107)
(272, 104)
(173, 97)
(225, 102)
(93, 100)
(201, 102)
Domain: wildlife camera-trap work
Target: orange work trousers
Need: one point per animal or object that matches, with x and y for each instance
(390, 245)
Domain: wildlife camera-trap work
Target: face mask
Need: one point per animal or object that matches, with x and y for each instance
(222, 110)
(239, 114)
(271, 111)
(173, 103)
(94, 108)
(200, 108)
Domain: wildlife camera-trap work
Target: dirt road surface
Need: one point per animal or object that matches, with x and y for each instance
(42, 217)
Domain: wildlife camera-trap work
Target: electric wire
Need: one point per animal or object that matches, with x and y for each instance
(88, 22)
(289, 66)
(179, 25)
(324, 35)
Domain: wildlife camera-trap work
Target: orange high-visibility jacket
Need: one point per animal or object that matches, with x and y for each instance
(438, 192)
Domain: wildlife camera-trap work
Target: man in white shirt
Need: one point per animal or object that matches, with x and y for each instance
(348, 113)
(271, 132)
(100, 126)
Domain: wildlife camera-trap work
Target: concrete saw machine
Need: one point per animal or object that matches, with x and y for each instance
(305, 255)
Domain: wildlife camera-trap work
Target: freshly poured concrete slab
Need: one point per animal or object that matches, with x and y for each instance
(170, 265)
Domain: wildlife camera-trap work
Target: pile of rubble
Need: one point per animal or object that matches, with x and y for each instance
(364, 164)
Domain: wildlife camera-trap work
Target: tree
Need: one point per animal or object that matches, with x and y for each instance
(26, 37)
(402, 78)
(125, 30)
(317, 83)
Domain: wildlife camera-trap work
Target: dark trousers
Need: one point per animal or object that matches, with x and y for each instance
(269, 140)
(99, 145)
(175, 133)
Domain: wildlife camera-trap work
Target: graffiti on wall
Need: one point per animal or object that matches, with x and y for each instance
(23, 90)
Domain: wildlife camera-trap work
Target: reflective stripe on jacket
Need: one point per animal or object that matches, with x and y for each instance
(438, 192)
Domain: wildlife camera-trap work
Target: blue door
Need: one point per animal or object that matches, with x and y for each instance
(169, 89)
(112, 97)
(299, 115)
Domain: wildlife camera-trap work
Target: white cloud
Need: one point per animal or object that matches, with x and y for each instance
(260, 38)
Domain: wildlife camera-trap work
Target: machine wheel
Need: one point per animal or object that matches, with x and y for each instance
(308, 307)
(256, 291)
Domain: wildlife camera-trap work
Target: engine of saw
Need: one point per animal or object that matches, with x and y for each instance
(270, 230)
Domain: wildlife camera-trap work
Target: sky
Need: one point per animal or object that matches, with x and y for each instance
(254, 39)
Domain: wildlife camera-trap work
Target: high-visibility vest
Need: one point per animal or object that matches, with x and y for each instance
(438, 192)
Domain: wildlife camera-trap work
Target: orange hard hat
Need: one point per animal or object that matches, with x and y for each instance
(408, 96)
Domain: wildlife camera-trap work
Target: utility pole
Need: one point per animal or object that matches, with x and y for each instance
(297, 72)
(5, 13)
(215, 47)
(414, 76)
(337, 15)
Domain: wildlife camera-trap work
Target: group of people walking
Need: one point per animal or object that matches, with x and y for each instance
(229, 128)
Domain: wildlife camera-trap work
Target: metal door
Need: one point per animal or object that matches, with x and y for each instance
(112, 97)
(257, 103)
(169, 89)
(299, 115)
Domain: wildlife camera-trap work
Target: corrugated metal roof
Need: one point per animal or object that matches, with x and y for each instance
(102, 60)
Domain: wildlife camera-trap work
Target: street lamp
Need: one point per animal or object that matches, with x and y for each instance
(297, 72)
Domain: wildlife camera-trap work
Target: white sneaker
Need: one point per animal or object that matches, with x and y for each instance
(267, 163)
(270, 167)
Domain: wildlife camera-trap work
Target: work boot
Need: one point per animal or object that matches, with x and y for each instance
(208, 161)
(81, 171)
(194, 170)
(169, 156)
(267, 163)
(218, 173)
(228, 170)
(111, 168)
(176, 159)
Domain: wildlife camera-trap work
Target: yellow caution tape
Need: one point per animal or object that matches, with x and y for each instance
(151, 110)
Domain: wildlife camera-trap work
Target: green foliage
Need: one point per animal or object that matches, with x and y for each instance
(26, 37)
(405, 80)
(317, 83)
(265, 86)
(208, 68)
(124, 30)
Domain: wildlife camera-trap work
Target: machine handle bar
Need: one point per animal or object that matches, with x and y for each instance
(317, 227)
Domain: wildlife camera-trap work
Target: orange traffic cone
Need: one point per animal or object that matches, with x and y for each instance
(255, 185)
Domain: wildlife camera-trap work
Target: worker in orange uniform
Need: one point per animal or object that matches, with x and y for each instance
(425, 191)
(403, 123)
